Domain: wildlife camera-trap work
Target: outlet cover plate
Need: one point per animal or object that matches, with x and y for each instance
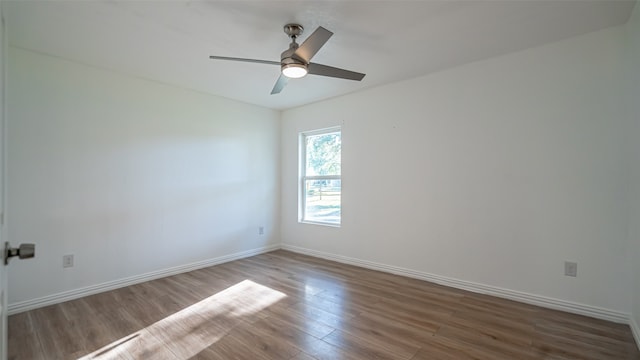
(67, 261)
(570, 268)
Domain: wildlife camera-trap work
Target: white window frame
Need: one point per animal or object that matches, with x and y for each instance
(302, 168)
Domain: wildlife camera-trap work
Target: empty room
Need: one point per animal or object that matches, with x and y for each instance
(171, 179)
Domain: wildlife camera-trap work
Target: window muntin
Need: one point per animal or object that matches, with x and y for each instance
(320, 180)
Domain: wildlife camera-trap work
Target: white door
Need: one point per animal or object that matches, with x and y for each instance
(3, 272)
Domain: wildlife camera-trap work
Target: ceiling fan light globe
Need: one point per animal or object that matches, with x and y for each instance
(294, 71)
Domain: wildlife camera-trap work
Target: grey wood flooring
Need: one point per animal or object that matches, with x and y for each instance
(283, 305)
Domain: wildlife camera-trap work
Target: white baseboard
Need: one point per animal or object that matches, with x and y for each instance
(543, 301)
(111, 285)
(635, 330)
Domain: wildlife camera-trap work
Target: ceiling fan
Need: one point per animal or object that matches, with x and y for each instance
(295, 61)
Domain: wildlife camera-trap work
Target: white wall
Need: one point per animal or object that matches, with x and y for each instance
(633, 96)
(129, 175)
(493, 172)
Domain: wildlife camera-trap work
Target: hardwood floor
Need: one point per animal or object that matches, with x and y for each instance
(283, 305)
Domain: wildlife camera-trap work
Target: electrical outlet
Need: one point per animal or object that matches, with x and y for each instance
(570, 268)
(67, 261)
(261, 230)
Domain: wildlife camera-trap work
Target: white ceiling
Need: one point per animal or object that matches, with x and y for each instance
(170, 41)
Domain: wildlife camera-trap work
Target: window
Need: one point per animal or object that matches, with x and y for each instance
(320, 183)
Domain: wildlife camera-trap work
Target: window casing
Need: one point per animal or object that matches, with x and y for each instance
(320, 186)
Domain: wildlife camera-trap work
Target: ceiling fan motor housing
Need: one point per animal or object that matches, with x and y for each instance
(288, 57)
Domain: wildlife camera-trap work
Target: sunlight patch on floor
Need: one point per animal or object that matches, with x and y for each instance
(192, 329)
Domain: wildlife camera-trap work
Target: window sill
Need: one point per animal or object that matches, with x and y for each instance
(319, 223)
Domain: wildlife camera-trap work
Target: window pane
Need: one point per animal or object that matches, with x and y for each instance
(323, 201)
(323, 154)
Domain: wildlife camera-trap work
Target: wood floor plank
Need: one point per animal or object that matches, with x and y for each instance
(440, 348)
(427, 319)
(263, 342)
(352, 299)
(322, 350)
(100, 329)
(283, 305)
(317, 315)
(24, 339)
(139, 345)
(380, 335)
(298, 321)
(511, 323)
(273, 327)
(48, 320)
(566, 347)
(388, 328)
(303, 356)
(230, 348)
(364, 349)
(481, 329)
(480, 340)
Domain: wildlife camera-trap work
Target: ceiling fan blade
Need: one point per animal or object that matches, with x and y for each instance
(324, 70)
(312, 44)
(280, 84)
(245, 60)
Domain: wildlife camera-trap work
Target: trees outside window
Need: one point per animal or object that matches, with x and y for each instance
(320, 180)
